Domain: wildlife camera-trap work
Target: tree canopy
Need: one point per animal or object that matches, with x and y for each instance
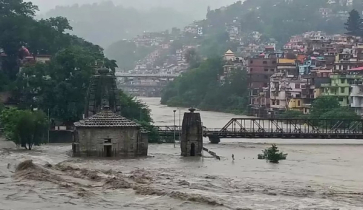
(58, 86)
(323, 105)
(354, 24)
(201, 87)
(24, 127)
(267, 16)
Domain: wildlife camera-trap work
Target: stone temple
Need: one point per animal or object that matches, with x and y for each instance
(104, 132)
(191, 143)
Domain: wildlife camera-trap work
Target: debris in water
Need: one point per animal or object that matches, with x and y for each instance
(48, 165)
(117, 183)
(25, 165)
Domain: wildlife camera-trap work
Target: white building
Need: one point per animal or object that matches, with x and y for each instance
(229, 55)
(356, 98)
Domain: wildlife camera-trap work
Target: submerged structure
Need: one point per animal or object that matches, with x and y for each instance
(104, 132)
(107, 134)
(192, 134)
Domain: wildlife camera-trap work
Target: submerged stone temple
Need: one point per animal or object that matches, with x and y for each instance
(102, 88)
(104, 132)
(192, 134)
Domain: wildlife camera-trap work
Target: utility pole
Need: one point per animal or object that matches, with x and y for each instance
(179, 125)
(48, 126)
(174, 127)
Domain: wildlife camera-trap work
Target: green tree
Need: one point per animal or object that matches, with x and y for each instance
(14, 18)
(292, 114)
(138, 111)
(354, 24)
(201, 87)
(24, 127)
(192, 58)
(31, 128)
(341, 117)
(60, 85)
(272, 154)
(322, 105)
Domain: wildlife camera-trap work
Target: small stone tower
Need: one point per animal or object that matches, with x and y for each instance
(192, 134)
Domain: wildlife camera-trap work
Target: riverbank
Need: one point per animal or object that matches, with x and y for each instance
(228, 110)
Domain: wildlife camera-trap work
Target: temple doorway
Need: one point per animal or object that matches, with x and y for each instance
(192, 149)
(108, 150)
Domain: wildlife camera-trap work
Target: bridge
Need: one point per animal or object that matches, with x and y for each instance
(278, 128)
(151, 85)
(146, 76)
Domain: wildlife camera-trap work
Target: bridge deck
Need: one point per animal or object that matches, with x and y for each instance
(280, 128)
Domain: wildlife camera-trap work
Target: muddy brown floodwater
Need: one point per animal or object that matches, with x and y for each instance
(318, 174)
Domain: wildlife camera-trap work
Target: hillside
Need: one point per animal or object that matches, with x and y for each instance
(279, 19)
(106, 23)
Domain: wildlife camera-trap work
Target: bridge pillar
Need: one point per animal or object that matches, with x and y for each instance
(191, 143)
(214, 139)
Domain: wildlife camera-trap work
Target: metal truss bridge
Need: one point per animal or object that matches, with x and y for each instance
(126, 75)
(278, 128)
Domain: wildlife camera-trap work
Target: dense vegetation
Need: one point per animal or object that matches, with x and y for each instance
(24, 127)
(266, 17)
(58, 87)
(200, 87)
(324, 107)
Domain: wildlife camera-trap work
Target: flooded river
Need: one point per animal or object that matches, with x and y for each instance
(318, 174)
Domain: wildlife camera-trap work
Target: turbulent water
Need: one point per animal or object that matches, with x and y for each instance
(318, 174)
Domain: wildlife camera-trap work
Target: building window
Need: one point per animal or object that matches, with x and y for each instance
(273, 62)
(273, 102)
(341, 99)
(251, 61)
(251, 69)
(297, 86)
(342, 81)
(298, 103)
(272, 70)
(277, 102)
(266, 69)
(264, 62)
(341, 90)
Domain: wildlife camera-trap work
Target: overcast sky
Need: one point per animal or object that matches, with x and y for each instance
(182, 5)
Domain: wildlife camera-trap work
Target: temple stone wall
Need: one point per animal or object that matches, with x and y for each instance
(192, 135)
(124, 141)
(143, 144)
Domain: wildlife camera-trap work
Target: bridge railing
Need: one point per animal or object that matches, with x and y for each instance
(241, 126)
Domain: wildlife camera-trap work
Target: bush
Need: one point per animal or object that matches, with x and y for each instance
(24, 127)
(292, 114)
(272, 154)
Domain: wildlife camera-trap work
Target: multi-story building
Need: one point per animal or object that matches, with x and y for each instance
(260, 69)
(356, 98)
(339, 87)
(290, 92)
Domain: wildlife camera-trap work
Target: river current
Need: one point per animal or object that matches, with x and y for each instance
(318, 174)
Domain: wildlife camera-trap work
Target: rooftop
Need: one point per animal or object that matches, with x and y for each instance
(106, 118)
